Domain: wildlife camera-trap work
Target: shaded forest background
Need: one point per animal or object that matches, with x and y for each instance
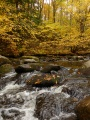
(44, 27)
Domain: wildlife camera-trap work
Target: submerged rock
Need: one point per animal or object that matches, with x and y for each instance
(83, 109)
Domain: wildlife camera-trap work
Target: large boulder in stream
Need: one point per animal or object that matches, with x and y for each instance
(49, 105)
(44, 80)
(49, 77)
(83, 109)
(4, 60)
(28, 67)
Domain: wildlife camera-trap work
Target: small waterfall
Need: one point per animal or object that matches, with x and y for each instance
(28, 98)
(18, 102)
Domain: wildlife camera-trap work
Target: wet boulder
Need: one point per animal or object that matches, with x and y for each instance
(44, 80)
(49, 67)
(24, 68)
(6, 68)
(83, 109)
(28, 67)
(49, 105)
(4, 60)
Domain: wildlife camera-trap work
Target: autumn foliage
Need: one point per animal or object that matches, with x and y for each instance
(56, 27)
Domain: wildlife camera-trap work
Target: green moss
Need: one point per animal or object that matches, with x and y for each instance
(5, 68)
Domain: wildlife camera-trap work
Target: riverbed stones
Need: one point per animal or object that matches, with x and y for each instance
(83, 109)
(76, 58)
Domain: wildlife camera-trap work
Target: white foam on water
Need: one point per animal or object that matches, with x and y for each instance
(59, 90)
(65, 114)
(29, 104)
(62, 116)
(29, 115)
(0, 116)
(10, 74)
(10, 87)
(29, 98)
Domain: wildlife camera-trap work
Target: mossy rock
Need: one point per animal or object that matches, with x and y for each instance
(4, 60)
(6, 68)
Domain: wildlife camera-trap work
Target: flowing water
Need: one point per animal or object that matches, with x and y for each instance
(18, 101)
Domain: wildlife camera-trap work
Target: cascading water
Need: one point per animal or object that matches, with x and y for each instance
(18, 102)
(21, 104)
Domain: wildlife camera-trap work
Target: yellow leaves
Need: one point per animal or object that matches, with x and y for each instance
(38, 81)
(3, 18)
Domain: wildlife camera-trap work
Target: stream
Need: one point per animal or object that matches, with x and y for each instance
(19, 101)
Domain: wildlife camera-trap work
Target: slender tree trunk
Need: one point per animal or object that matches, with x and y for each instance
(54, 9)
(17, 3)
(71, 14)
(61, 13)
(49, 10)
